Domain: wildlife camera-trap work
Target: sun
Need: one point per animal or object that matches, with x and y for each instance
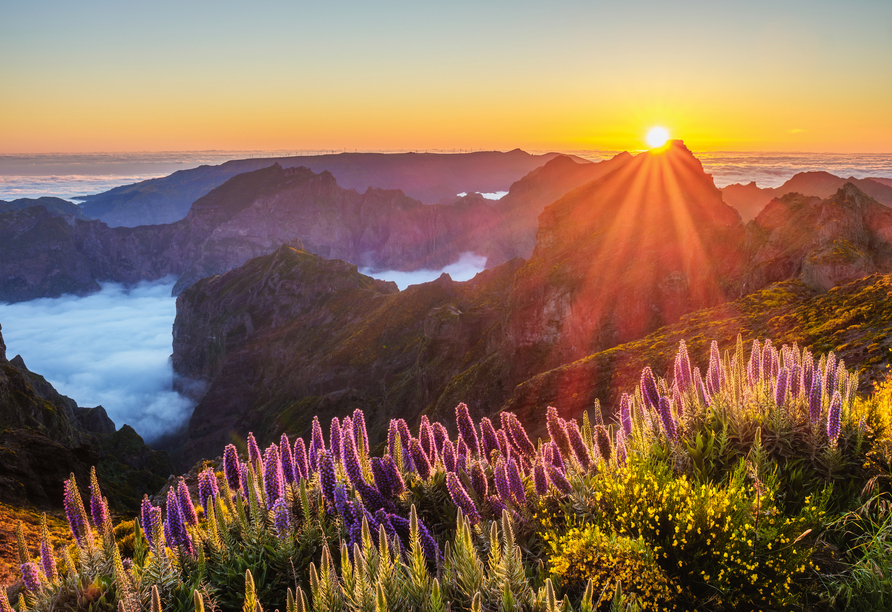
(657, 137)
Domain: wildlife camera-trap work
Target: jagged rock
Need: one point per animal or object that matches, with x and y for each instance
(95, 420)
(824, 242)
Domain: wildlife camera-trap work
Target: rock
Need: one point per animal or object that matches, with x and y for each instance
(95, 420)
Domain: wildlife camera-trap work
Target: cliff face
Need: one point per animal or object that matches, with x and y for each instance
(427, 177)
(37, 422)
(623, 255)
(824, 242)
(290, 335)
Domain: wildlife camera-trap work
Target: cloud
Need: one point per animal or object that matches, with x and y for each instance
(796, 131)
(110, 348)
(494, 195)
(464, 269)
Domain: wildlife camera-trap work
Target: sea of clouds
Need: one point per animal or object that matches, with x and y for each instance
(467, 266)
(111, 348)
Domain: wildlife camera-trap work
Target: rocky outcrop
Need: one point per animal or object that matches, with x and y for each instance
(623, 255)
(749, 199)
(37, 422)
(824, 242)
(427, 177)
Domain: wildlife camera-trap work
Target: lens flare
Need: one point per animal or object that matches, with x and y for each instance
(657, 137)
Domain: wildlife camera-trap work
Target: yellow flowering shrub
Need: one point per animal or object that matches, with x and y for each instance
(587, 553)
(728, 544)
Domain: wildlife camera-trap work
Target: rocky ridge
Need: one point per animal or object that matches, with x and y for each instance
(37, 422)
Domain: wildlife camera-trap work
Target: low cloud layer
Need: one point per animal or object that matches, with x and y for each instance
(110, 348)
(494, 195)
(464, 269)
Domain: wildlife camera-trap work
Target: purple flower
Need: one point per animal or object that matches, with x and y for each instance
(317, 443)
(273, 484)
(441, 436)
(715, 375)
(428, 545)
(426, 439)
(76, 514)
(556, 429)
(396, 484)
(351, 459)
(815, 399)
(540, 479)
(399, 426)
(668, 420)
(767, 359)
(602, 441)
(830, 374)
(519, 436)
(479, 481)
(515, 482)
(504, 445)
(419, 459)
(186, 507)
(301, 469)
(496, 505)
(557, 478)
(207, 487)
(621, 453)
(466, 428)
(287, 459)
(448, 454)
(231, 467)
(175, 529)
(281, 518)
(335, 445)
(461, 453)
(578, 444)
(461, 498)
(754, 367)
(151, 521)
(31, 576)
(683, 377)
(780, 386)
(382, 478)
(649, 388)
(795, 380)
(625, 413)
(500, 477)
(98, 505)
(253, 450)
(47, 560)
(340, 502)
(833, 417)
(360, 435)
(554, 457)
(489, 440)
(702, 394)
(327, 476)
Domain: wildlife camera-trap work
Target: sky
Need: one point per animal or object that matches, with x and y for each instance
(792, 75)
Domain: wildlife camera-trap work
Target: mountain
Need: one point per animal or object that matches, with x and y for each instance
(56, 206)
(427, 177)
(623, 255)
(37, 422)
(824, 242)
(882, 181)
(749, 199)
(289, 335)
(254, 213)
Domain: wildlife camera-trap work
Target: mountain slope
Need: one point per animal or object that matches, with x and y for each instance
(750, 199)
(57, 206)
(428, 177)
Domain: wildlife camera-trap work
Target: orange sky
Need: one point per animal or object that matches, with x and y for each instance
(99, 76)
